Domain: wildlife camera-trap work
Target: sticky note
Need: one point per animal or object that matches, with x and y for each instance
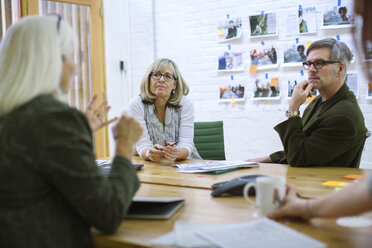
(262, 43)
(297, 40)
(221, 32)
(335, 183)
(310, 99)
(253, 69)
(339, 2)
(232, 77)
(274, 82)
(302, 73)
(229, 46)
(266, 75)
(233, 101)
(337, 37)
(353, 177)
(308, 44)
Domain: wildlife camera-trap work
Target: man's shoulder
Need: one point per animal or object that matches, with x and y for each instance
(347, 102)
(348, 108)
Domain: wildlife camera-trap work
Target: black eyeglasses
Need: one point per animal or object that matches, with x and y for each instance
(318, 64)
(167, 77)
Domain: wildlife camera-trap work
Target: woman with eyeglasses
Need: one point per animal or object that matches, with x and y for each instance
(51, 190)
(165, 113)
(357, 197)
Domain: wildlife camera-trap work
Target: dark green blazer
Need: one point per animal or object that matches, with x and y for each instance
(332, 136)
(51, 190)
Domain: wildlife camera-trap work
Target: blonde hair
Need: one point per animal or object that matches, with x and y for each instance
(31, 59)
(182, 89)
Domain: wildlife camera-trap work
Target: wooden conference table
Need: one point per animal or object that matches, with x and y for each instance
(160, 179)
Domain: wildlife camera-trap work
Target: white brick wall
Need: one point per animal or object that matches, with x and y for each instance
(186, 32)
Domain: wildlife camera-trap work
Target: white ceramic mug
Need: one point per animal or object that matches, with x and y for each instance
(270, 193)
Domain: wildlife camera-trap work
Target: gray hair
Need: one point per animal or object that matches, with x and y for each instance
(339, 51)
(182, 89)
(31, 59)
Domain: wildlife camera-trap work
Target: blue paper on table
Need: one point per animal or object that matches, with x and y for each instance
(216, 166)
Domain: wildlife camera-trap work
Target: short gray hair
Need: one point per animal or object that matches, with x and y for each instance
(31, 59)
(181, 87)
(339, 51)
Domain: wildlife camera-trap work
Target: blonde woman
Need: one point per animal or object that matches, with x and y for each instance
(165, 113)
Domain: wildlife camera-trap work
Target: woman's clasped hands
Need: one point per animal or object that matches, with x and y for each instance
(170, 152)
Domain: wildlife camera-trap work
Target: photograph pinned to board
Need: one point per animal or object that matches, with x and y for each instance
(263, 24)
(264, 55)
(229, 28)
(232, 91)
(230, 60)
(306, 20)
(294, 52)
(369, 90)
(368, 49)
(352, 82)
(292, 81)
(301, 21)
(266, 87)
(340, 16)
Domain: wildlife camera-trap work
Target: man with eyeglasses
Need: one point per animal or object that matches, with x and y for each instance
(331, 131)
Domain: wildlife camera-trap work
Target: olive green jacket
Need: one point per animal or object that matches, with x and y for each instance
(51, 190)
(333, 136)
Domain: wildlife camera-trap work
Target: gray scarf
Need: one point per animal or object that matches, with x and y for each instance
(171, 127)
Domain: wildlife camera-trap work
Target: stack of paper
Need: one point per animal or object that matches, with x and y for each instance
(213, 166)
(258, 234)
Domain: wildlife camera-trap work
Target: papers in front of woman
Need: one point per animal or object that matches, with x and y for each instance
(212, 166)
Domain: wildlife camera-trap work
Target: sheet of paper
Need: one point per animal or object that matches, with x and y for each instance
(103, 161)
(209, 166)
(259, 233)
(169, 239)
(185, 235)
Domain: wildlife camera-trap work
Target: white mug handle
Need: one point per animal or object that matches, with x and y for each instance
(245, 193)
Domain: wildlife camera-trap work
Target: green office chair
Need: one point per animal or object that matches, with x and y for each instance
(209, 141)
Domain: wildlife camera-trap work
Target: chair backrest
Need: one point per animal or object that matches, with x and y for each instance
(209, 141)
(356, 162)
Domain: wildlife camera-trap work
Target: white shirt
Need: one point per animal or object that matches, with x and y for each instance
(186, 131)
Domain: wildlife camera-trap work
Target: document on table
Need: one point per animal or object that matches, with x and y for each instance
(263, 233)
(185, 235)
(212, 166)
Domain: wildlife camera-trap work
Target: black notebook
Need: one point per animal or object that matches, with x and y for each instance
(154, 207)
